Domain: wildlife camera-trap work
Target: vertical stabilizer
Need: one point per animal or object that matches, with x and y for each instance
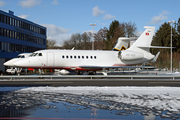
(144, 41)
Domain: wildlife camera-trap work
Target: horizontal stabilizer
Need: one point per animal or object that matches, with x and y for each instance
(153, 47)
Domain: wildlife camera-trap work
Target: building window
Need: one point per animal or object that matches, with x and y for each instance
(15, 24)
(13, 21)
(10, 21)
(5, 32)
(2, 31)
(15, 35)
(2, 18)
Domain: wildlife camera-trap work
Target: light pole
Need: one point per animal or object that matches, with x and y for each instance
(93, 35)
(171, 44)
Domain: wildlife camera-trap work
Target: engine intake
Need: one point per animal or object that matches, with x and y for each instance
(130, 55)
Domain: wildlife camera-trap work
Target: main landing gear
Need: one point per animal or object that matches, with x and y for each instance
(79, 72)
(89, 72)
(92, 73)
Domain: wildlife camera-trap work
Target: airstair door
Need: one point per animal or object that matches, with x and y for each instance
(50, 59)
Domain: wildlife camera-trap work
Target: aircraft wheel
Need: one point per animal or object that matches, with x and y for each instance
(79, 72)
(92, 72)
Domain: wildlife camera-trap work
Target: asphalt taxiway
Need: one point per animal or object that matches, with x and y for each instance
(91, 80)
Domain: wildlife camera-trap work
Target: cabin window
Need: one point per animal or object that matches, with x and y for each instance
(82, 57)
(79, 57)
(22, 56)
(91, 57)
(66, 56)
(63, 56)
(94, 57)
(71, 57)
(87, 57)
(75, 57)
(40, 54)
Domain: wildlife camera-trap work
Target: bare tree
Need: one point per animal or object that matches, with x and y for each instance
(130, 29)
(100, 38)
(86, 37)
(51, 44)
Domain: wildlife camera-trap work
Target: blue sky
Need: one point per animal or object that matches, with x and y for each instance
(65, 17)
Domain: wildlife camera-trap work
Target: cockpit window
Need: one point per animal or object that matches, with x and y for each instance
(35, 54)
(31, 55)
(19, 56)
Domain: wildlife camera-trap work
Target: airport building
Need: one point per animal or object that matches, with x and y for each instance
(19, 35)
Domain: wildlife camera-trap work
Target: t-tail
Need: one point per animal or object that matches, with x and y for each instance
(140, 49)
(143, 43)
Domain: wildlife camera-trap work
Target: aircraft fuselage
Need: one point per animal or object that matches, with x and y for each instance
(73, 59)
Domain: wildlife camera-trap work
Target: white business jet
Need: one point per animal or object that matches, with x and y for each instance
(92, 60)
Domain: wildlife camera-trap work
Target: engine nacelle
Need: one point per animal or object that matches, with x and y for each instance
(130, 55)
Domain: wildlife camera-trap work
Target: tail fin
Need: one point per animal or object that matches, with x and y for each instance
(144, 41)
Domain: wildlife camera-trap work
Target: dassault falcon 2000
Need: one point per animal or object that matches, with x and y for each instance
(92, 60)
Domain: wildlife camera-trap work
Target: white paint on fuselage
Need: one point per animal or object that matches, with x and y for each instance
(54, 59)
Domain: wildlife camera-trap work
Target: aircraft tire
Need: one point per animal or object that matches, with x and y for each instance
(92, 73)
(79, 72)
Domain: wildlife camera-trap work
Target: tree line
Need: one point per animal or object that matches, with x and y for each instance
(104, 39)
(162, 37)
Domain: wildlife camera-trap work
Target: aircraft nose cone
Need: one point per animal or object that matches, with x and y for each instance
(21, 63)
(9, 63)
(6, 63)
(17, 63)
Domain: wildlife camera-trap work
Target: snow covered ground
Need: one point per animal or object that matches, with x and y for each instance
(161, 98)
(161, 101)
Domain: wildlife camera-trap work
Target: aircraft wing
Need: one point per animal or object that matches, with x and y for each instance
(101, 67)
